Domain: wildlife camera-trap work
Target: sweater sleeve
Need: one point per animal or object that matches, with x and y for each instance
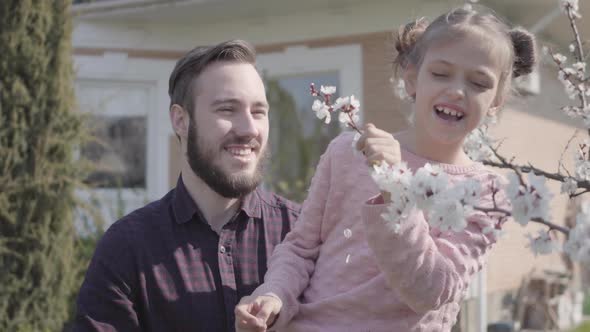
(293, 261)
(429, 269)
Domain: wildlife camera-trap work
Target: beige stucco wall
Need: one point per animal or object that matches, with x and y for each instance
(537, 132)
(539, 141)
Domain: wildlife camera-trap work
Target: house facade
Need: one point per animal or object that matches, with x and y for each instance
(124, 51)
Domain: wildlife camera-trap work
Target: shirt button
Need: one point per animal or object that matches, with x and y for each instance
(222, 249)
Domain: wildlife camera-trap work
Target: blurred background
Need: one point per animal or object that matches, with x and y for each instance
(124, 50)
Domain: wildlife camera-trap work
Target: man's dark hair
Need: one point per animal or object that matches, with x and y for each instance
(190, 66)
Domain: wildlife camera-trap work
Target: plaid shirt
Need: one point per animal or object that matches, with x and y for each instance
(162, 268)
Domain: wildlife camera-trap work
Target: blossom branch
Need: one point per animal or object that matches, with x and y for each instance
(324, 108)
(507, 213)
(567, 145)
(352, 124)
(580, 51)
(579, 193)
(504, 163)
(572, 16)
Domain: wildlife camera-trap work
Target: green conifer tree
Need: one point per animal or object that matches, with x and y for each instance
(39, 129)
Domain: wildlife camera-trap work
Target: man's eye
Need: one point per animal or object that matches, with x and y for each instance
(260, 113)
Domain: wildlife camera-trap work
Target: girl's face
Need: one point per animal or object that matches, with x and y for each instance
(454, 88)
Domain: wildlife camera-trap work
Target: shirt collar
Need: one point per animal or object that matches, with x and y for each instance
(252, 203)
(185, 207)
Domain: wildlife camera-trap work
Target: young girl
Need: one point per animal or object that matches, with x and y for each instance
(342, 268)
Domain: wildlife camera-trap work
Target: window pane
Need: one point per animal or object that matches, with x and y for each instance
(117, 151)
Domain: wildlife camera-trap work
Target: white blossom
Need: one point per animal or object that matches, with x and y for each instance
(577, 245)
(399, 209)
(392, 178)
(583, 169)
(570, 90)
(395, 180)
(571, 111)
(322, 111)
(341, 102)
(573, 4)
(328, 89)
(559, 58)
(542, 244)
(449, 215)
(563, 74)
(468, 191)
(579, 66)
(427, 184)
(477, 145)
(569, 186)
(542, 196)
(530, 200)
(572, 48)
(394, 221)
(343, 117)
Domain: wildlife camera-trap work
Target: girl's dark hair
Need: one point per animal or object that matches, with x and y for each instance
(413, 39)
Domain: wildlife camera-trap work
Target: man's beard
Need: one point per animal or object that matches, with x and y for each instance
(201, 161)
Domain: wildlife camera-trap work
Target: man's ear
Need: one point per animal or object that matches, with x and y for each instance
(410, 78)
(179, 118)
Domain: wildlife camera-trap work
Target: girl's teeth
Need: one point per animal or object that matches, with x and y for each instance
(449, 112)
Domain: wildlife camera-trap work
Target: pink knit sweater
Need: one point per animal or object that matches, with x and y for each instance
(342, 269)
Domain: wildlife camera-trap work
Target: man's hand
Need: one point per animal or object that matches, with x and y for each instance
(257, 314)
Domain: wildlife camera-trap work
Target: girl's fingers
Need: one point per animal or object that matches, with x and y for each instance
(386, 148)
(266, 314)
(378, 157)
(246, 319)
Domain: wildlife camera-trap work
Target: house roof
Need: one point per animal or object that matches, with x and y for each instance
(542, 15)
(170, 11)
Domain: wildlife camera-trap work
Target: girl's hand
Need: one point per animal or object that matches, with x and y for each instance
(257, 314)
(378, 146)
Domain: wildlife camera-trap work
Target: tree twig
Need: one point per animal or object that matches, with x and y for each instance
(507, 213)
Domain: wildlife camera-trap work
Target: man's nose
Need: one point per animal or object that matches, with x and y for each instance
(246, 125)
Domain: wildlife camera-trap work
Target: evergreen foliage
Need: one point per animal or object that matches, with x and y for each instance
(39, 130)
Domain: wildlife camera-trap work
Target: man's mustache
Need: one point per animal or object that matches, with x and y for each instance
(249, 142)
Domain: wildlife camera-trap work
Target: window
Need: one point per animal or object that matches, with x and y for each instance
(297, 136)
(117, 123)
(117, 151)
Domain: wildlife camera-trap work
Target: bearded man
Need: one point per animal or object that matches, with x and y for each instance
(182, 263)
